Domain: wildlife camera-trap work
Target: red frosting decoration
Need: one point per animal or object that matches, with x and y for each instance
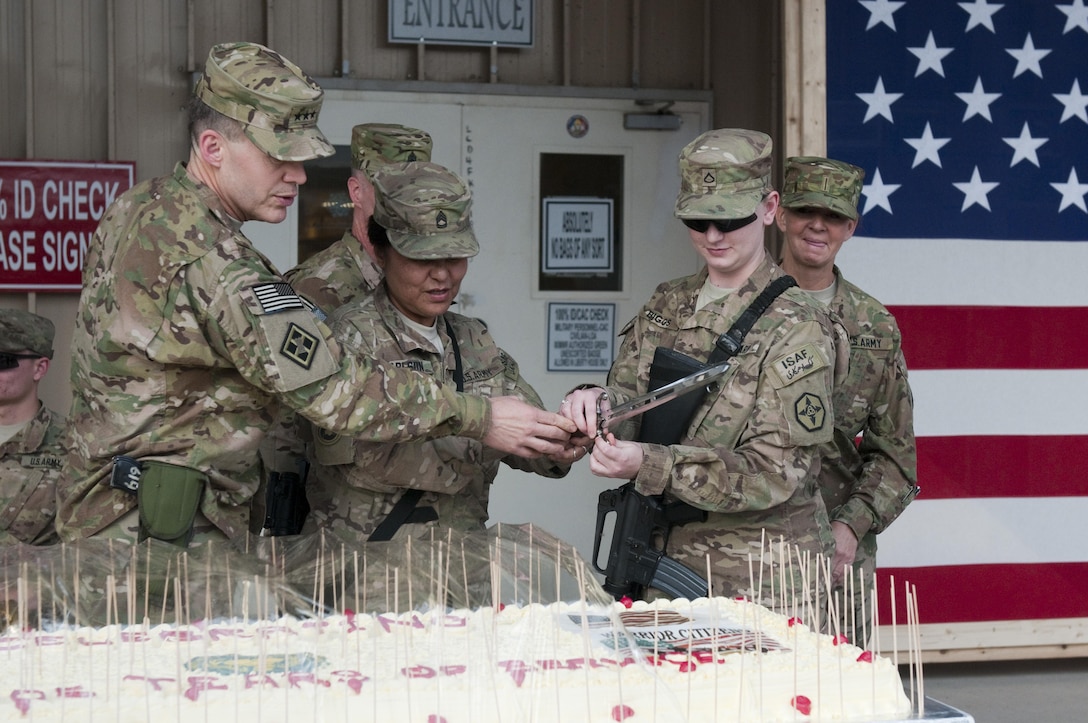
(687, 666)
(793, 621)
(622, 712)
(839, 639)
(432, 718)
(802, 704)
(502, 606)
(865, 657)
(626, 602)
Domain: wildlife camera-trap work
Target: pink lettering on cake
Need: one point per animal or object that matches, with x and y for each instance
(200, 683)
(153, 681)
(353, 679)
(24, 697)
(517, 670)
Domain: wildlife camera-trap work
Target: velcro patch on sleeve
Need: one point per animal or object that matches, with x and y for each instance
(869, 342)
(277, 296)
(798, 364)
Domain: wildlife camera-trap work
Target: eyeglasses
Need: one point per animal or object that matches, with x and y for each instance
(10, 361)
(701, 225)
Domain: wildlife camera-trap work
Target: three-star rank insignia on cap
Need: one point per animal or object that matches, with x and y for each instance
(299, 346)
(440, 220)
(810, 412)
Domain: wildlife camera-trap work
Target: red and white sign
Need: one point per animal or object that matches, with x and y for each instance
(48, 212)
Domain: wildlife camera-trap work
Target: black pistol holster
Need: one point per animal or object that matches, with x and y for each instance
(286, 503)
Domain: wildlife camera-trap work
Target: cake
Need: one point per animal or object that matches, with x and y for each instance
(723, 660)
(589, 660)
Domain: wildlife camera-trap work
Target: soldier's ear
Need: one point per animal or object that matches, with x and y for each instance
(211, 145)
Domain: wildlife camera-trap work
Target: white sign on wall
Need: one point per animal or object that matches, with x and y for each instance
(577, 235)
(507, 23)
(581, 337)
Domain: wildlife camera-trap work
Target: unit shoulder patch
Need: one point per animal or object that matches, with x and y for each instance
(810, 412)
(798, 364)
(299, 345)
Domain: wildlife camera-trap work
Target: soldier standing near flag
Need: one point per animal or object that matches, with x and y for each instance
(188, 341)
(749, 455)
(866, 484)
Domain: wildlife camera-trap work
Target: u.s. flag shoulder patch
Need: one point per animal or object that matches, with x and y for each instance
(277, 296)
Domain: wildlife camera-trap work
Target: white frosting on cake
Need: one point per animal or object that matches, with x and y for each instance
(560, 662)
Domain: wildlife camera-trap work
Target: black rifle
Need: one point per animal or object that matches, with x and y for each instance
(636, 555)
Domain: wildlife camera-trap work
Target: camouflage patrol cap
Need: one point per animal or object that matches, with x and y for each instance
(724, 174)
(274, 100)
(373, 144)
(21, 330)
(815, 182)
(426, 210)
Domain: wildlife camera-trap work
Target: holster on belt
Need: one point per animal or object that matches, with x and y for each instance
(169, 497)
(286, 505)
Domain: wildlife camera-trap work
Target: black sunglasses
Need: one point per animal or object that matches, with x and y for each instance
(10, 361)
(701, 225)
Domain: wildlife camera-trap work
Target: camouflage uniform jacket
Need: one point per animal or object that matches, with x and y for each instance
(29, 466)
(868, 484)
(354, 484)
(187, 343)
(341, 273)
(749, 456)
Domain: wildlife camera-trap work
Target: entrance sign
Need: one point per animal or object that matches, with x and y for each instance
(581, 337)
(48, 212)
(507, 23)
(577, 236)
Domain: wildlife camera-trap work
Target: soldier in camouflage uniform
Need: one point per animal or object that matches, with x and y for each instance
(346, 270)
(866, 484)
(749, 456)
(188, 341)
(30, 434)
(422, 238)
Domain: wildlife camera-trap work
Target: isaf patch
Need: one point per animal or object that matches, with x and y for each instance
(798, 364)
(299, 346)
(810, 411)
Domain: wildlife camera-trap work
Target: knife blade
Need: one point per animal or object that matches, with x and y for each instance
(659, 396)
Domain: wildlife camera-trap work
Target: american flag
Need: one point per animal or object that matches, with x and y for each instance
(971, 121)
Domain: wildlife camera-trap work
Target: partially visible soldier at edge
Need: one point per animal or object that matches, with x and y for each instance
(30, 433)
(346, 270)
(188, 341)
(866, 484)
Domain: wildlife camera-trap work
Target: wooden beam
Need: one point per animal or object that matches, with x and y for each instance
(804, 78)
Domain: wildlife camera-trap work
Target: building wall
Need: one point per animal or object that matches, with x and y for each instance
(109, 79)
